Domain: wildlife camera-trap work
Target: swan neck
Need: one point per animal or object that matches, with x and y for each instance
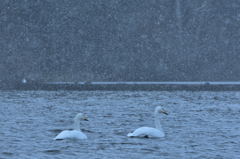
(157, 121)
(76, 125)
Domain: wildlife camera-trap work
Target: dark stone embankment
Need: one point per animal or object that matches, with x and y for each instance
(124, 86)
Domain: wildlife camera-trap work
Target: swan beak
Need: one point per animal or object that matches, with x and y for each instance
(164, 112)
(85, 118)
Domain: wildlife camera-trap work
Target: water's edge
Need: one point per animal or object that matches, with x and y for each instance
(124, 86)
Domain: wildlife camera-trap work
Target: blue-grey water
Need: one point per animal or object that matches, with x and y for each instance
(199, 125)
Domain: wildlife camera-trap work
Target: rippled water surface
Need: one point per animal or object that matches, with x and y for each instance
(199, 124)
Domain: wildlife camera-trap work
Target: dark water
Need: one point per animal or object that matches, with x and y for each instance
(200, 124)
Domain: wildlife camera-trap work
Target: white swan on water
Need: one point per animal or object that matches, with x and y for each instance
(76, 133)
(149, 131)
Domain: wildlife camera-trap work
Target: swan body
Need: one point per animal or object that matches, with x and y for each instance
(146, 132)
(149, 131)
(73, 134)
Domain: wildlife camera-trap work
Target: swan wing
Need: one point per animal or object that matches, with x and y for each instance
(146, 132)
(70, 134)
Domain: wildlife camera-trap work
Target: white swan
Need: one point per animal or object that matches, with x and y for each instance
(148, 131)
(76, 133)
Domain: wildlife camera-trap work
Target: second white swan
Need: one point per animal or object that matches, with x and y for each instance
(76, 133)
(149, 131)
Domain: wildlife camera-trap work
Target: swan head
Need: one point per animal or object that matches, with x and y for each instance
(80, 116)
(159, 110)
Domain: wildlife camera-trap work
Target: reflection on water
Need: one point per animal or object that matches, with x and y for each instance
(200, 124)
